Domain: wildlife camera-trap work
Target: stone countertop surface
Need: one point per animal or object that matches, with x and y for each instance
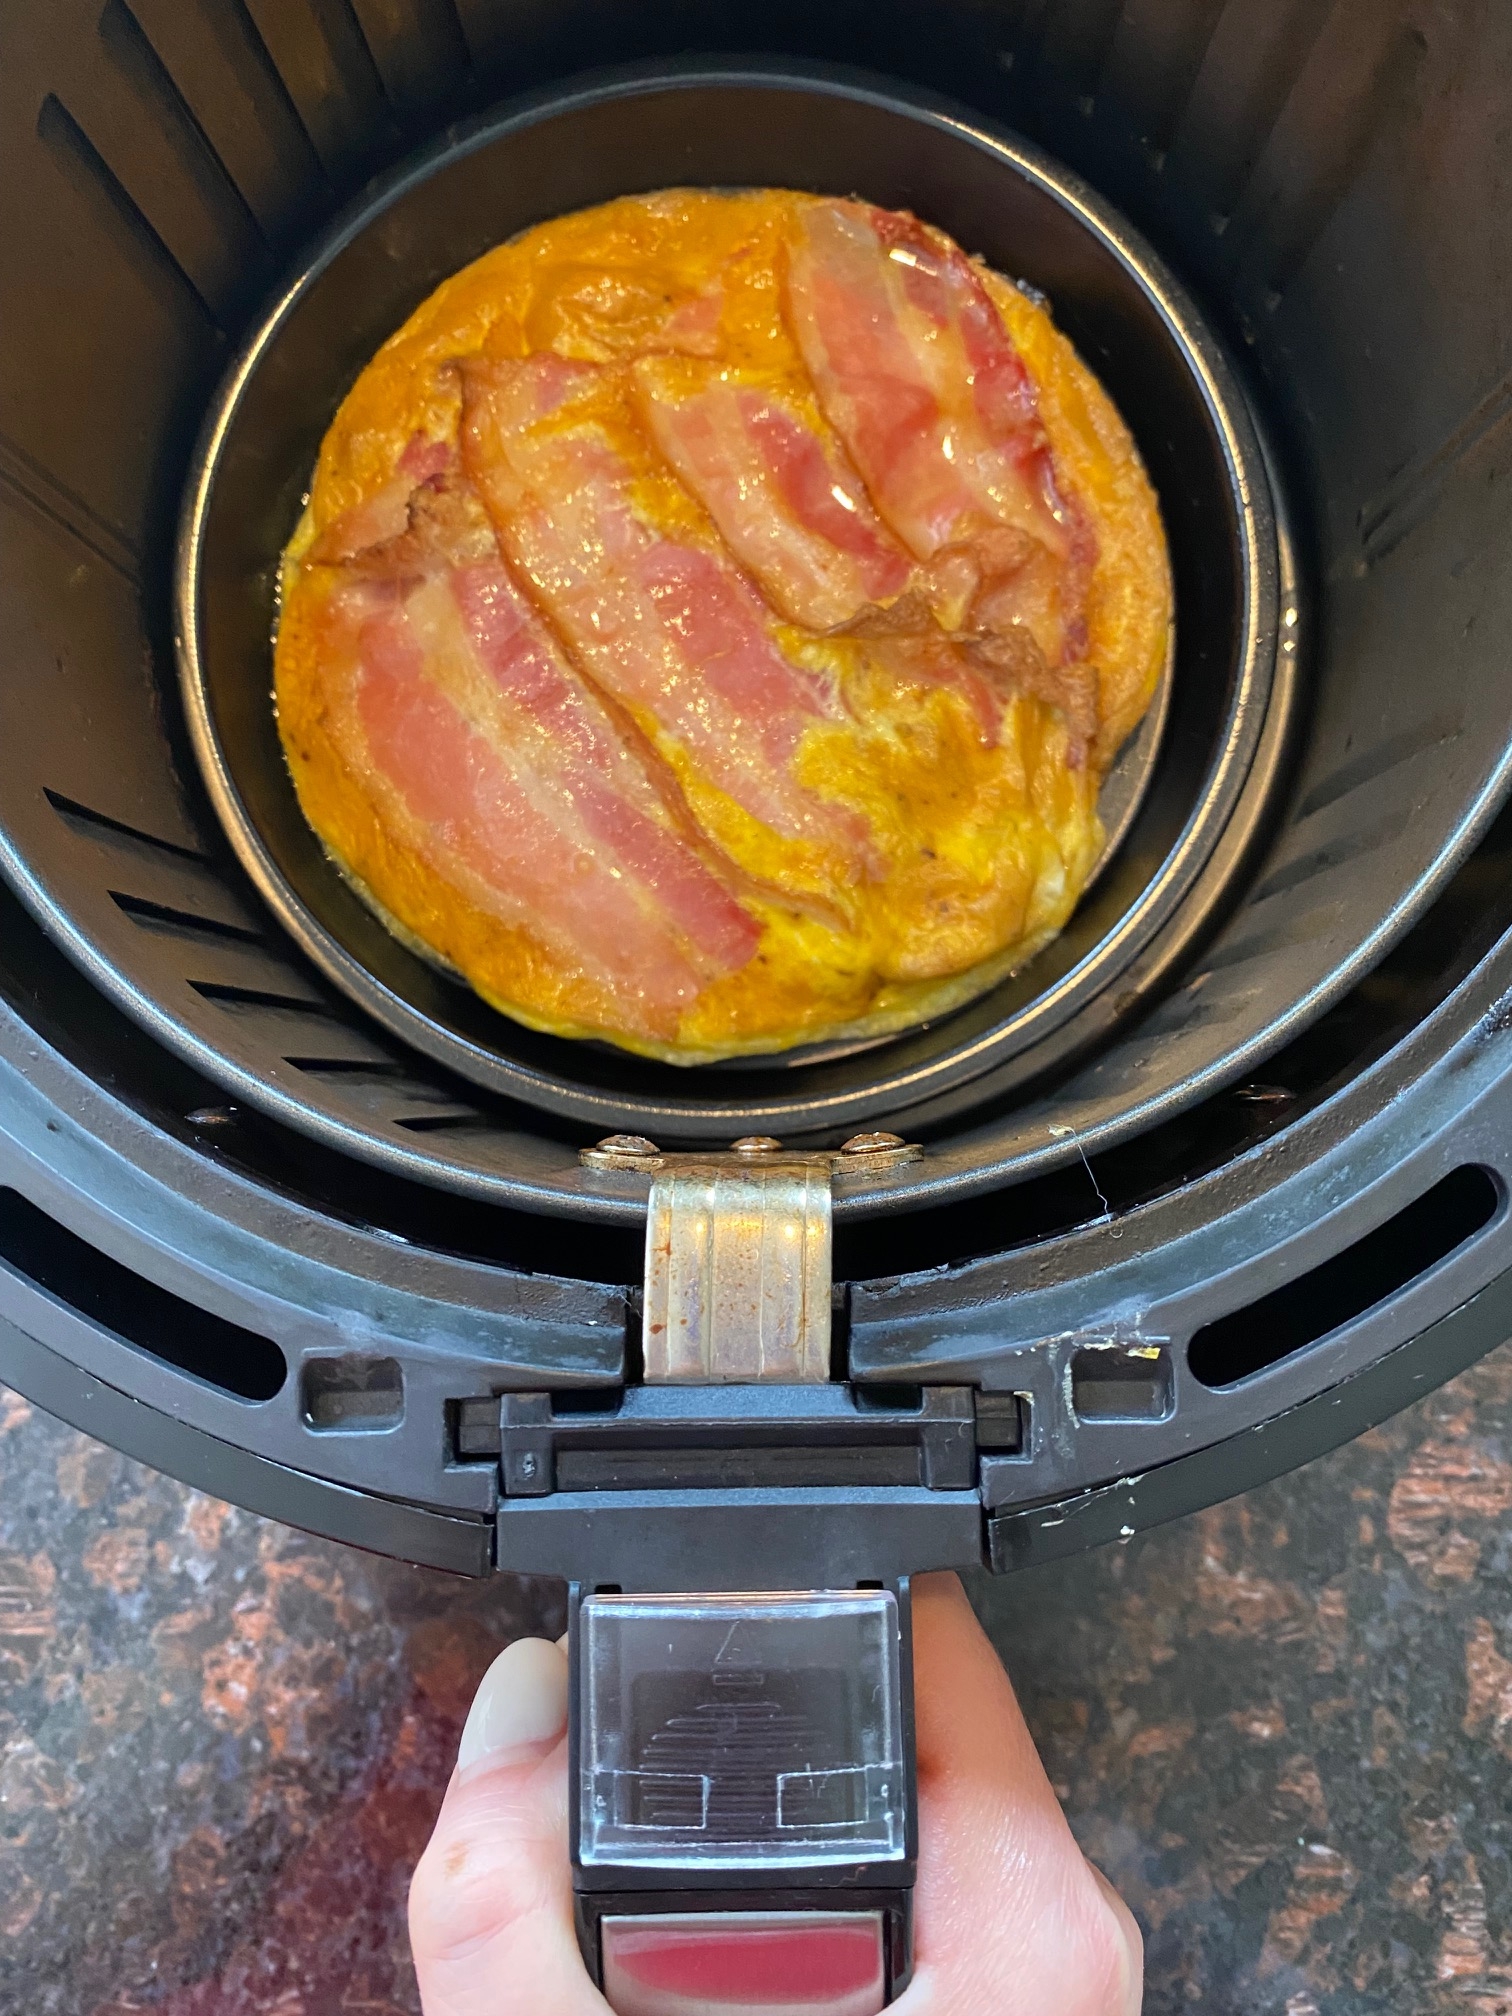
(1283, 1726)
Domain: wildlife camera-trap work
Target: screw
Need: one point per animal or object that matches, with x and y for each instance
(872, 1144)
(757, 1144)
(627, 1144)
(527, 1466)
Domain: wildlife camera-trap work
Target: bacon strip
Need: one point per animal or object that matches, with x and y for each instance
(668, 626)
(521, 789)
(794, 511)
(384, 514)
(788, 501)
(918, 375)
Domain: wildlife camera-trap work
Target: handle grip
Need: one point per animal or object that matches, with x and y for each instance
(745, 1963)
(744, 1826)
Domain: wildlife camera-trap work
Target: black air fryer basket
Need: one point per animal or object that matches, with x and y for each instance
(1219, 1182)
(1216, 1183)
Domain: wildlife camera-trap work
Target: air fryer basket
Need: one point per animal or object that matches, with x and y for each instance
(751, 126)
(264, 1235)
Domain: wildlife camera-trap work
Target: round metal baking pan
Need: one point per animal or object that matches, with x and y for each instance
(743, 126)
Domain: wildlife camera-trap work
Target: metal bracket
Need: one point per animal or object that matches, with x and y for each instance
(862, 1155)
(738, 1274)
(737, 1286)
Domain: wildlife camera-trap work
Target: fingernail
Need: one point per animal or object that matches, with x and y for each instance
(1133, 1943)
(522, 1699)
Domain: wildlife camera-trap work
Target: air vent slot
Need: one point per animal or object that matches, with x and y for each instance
(1360, 1278)
(183, 923)
(252, 1004)
(100, 825)
(352, 1393)
(463, 1121)
(1122, 1382)
(134, 1309)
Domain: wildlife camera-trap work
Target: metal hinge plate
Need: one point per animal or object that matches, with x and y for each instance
(737, 1284)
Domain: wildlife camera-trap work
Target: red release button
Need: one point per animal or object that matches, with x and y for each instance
(745, 1963)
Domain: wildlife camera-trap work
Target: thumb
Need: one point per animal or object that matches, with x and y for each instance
(491, 1901)
(1010, 1916)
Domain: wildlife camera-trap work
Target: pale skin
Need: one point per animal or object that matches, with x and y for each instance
(1010, 1917)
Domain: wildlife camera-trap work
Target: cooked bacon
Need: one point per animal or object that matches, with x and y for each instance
(915, 370)
(927, 388)
(524, 792)
(483, 829)
(385, 513)
(790, 504)
(794, 511)
(669, 626)
(444, 527)
(635, 817)
(934, 660)
(693, 325)
(1012, 662)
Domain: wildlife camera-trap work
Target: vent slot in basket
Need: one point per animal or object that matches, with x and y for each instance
(352, 1394)
(1117, 1382)
(111, 1296)
(1347, 1285)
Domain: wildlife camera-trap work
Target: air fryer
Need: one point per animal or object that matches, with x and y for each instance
(1216, 1184)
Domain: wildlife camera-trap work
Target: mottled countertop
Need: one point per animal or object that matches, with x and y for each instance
(1283, 1726)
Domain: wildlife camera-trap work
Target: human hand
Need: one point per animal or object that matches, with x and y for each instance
(1010, 1919)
